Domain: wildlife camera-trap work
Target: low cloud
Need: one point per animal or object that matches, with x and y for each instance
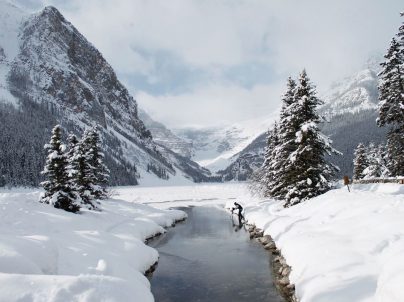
(212, 106)
(229, 55)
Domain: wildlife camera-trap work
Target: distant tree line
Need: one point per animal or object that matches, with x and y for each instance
(76, 175)
(23, 134)
(24, 129)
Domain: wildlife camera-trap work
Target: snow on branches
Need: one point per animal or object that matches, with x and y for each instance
(76, 176)
(391, 102)
(295, 168)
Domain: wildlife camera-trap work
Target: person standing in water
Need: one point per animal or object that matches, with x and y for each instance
(238, 207)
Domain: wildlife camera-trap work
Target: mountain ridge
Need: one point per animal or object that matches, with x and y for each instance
(64, 74)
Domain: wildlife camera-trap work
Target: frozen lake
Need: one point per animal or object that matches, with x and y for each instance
(210, 257)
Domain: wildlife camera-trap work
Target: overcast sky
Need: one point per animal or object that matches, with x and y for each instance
(215, 62)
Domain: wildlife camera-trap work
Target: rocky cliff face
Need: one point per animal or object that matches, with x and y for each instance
(55, 67)
(166, 138)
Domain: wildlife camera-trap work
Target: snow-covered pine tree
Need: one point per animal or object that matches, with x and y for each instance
(85, 178)
(57, 189)
(285, 146)
(395, 147)
(308, 173)
(383, 161)
(391, 87)
(71, 164)
(360, 161)
(391, 102)
(101, 171)
(96, 172)
(373, 170)
(262, 178)
(81, 175)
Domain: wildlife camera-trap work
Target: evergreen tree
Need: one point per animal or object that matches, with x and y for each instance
(395, 147)
(81, 171)
(98, 170)
(383, 161)
(360, 162)
(307, 172)
(269, 175)
(263, 178)
(286, 144)
(373, 169)
(71, 164)
(391, 87)
(391, 102)
(57, 189)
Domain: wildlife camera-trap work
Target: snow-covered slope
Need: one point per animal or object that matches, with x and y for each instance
(49, 63)
(11, 18)
(165, 137)
(351, 109)
(48, 254)
(342, 246)
(353, 94)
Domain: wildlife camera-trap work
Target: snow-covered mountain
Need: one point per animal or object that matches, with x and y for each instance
(351, 110)
(49, 69)
(214, 148)
(355, 93)
(165, 137)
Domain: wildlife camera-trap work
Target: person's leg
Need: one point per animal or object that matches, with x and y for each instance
(240, 216)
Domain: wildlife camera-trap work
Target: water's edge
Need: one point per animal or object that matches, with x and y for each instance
(149, 272)
(278, 271)
(281, 270)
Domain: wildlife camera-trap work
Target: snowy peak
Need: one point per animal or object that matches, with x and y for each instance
(353, 94)
(215, 148)
(62, 67)
(56, 68)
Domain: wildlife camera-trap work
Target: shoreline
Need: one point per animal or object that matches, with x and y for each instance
(280, 269)
(149, 272)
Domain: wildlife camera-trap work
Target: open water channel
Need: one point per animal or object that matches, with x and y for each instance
(209, 257)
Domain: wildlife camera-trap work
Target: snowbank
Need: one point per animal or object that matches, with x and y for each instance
(48, 254)
(342, 246)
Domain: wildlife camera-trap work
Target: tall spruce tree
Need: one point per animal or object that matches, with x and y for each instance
(360, 162)
(391, 102)
(57, 189)
(80, 170)
(100, 172)
(307, 171)
(85, 178)
(286, 144)
(391, 87)
(268, 175)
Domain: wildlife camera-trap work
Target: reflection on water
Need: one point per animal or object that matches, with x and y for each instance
(209, 258)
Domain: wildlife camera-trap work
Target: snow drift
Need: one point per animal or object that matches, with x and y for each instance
(48, 254)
